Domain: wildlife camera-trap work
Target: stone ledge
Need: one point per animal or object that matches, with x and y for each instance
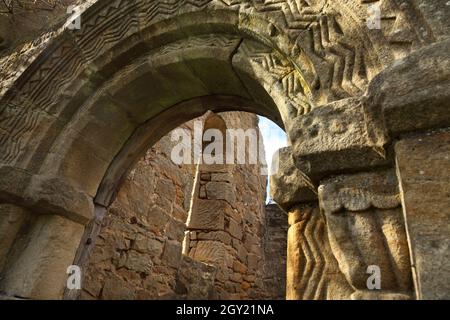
(338, 137)
(45, 195)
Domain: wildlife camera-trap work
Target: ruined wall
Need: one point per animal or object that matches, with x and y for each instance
(138, 254)
(138, 251)
(275, 251)
(227, 220)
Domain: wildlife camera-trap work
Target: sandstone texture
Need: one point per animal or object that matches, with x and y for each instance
(229, 235)
(361, 88)
(423, 165)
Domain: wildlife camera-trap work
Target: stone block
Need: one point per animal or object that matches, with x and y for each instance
(336, 137)
(195, 280)
(235, 229)
(117, 289)
(288, 185)
(175, 230)
(423, 167)
(413, 94)
(207, 215)
(172, 254)
(12, 218)
(221, 236)
(138, 262)
(38, 269)
(221, 191)
(214, 253)
(148, 245)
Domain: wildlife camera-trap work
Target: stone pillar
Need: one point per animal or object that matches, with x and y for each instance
(42, 220)
(413, 96)
(423, 168)
(12, 219)
(312, 270)
(275, 252)
(37, 265)
(362, 211)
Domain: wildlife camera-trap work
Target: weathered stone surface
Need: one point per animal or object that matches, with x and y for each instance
(195, 280)
(275, 251)
(235, 229)
(172, 254)
(413, 93)
(221, 191)
(360, 192)
(37, 269)
(12, 218)
(44, 194)
(335, 138)
(366, 228)
(208, 215)
(423, 164)
(117, 289)
(310, 260)
(288, 185)
(212, 252)
(139, 262)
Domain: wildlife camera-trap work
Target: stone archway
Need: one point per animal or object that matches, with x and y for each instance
(88, 103)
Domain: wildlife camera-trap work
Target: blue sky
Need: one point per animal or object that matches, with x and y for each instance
(274, 139)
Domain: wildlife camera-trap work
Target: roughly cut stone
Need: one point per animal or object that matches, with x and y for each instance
(117, 289)
(337, 137)
(221, 191)
(207, 215)
(414, 92)
(138, 262)
(288, 185)
(172, 254)
(423, 166)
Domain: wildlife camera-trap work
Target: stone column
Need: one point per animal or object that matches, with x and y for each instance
(423, 166)
(413, 96)
(312, 270)
(42, 220)
(362, 211)
(36, 269)
(12, 219)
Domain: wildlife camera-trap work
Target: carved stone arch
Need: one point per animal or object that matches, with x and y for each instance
(68, 131)
(325, 55)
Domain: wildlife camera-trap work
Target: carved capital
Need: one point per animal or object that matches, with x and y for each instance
(45, 194)
(366, 228)
(360, 192)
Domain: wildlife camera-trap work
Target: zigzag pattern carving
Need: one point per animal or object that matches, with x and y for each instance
(328, 46)
(339, 57)
(283, 71)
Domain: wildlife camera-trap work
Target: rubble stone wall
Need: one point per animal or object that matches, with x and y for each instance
(138, 254)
